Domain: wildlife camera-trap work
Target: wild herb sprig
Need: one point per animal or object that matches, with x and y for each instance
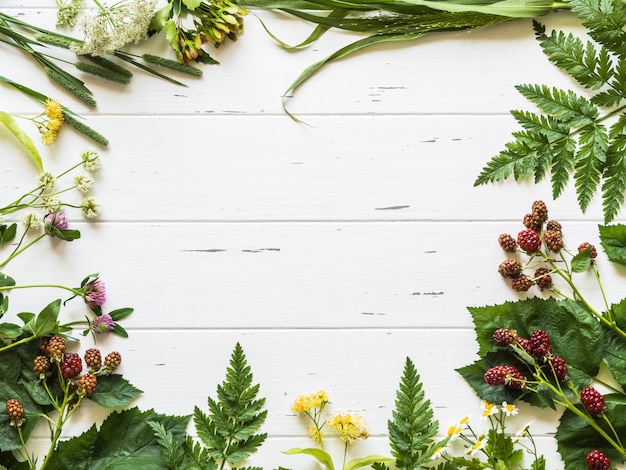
(575, 136)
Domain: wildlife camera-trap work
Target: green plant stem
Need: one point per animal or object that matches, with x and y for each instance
(55, 286)
(18, 251)
(24, 450)
(17, 343)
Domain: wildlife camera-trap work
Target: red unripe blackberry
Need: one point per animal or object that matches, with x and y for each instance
(71, 366)
(15, 410)
(507, 242)
(593, 253)
(596, 460)
(56, 348)
(540, 211)
(553, 240)
(504, 336)
(93, 359)
(510, 268)
(495, 376)
(529, 241)
(86, 385)
(112, 361)
(559, 368)
(514, 378)
(554, 225)
(524, 344)
(41, 366)
(540, 344)
(592, 400)
(530, 222)
(521, 283)
(542, 278)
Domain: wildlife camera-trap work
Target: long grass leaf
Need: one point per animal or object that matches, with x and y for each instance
(8, 121)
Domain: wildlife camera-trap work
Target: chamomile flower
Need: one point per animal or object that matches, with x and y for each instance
(523, 431)
(488, 409)
(509, 409)
(479, 444)
(439, 451)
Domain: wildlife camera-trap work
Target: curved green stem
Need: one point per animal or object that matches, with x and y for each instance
(17, 343)
(18, 250)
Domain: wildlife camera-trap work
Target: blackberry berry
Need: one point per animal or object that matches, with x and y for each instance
(86, 385)
(593, 253)
(540, 344)
(507, 242)
(112, 361)
(553, 240)
(71, 366)
(596, 460)
(43, 344)
(542, 278)
(495, 376)
(559, 368)
(529, 241)
(521, 283)
(56, 348)
(530, 222)
(554, 225)
(524, 343)
(93, 359)
(504, 336)
(510, 268)
(592, 400)
(15, 410)
(514, 378)
(540, 211)
(41, 366)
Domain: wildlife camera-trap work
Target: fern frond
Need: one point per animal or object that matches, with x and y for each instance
(562, 165)
(196, 457)
(413, 427)
(590, 158)
(604, 20)
(614, 184)
(564, 105)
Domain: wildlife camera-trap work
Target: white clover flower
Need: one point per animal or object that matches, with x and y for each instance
(47, 180)
(91, 160)
(90, 208)
(31, 221)
(50, 204)
(83, 183)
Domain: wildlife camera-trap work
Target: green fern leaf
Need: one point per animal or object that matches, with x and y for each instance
(614, 184)
(562, 165)
(593, 146)
(565, 106)
(196, 457)
(413, 427)
(605, 20)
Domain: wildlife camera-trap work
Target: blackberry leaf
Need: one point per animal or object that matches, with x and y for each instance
(412, 428)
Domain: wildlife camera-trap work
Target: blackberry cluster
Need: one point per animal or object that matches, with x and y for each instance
(593, 253)
(509, 376)
(86, 385)
(592, 400)
(15, 410)
(596, 460)
(112, 361)
(553, 240)
(71, 366)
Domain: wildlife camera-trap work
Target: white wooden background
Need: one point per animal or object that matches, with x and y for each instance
(331, 252)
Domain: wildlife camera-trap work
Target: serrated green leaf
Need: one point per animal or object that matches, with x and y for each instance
(590, 158)
(615, 356)
(613, 240)
(114, 391)
(581, 261)
(321, 456)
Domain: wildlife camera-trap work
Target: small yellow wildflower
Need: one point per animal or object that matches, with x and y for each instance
(479, 444)
(454, 431)
(308, 402)
(350, 427)
(54, 111)
(314, 433)
(488, 409)
(509, 410)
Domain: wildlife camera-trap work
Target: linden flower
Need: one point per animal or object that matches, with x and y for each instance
(50, 129)
(308, 402)
(509, 410)
(350, 427)
(314, 433)
(488, 409)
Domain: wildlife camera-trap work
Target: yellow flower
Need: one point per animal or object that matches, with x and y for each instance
(488, 409)
(54, 111)
(509, 410)
(454, 431)
(308, 402)
(314, 433)
(479, 444)
(350, 427)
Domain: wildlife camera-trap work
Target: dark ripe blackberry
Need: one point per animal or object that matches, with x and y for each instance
(15, 410)
(510, 268)
(559, 368)
(540, 211)
(529, 241)
(496, 375)
(593, 253)
(530, 222)
(86, 385)
(553, 240)
(112, 361)
(41, 366)
(514, 379)
(56, 348)
(507, 242)
(542, 278)
(596, 460)
(93, 359)
(521, 283)
(71, 366)
(592, 400)
(554, 225)
(540, 344)
(504, 336)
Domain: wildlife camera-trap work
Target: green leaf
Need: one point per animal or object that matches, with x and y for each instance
(23, 139)
(171, 448)
(367, 461)
(120, 313)
(119, 331)
(321, 456)
(575, 438)
(7, 233)
(6, 281)
(613, 240)
(192, 4)
(114, 391)
(65, 234)
(46, 322)
(125, 441)
(590, 158)
(615, 356)
(10, 330)
(582, 261)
